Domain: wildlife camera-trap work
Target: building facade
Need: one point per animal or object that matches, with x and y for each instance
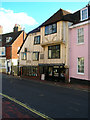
(46, 49)
(80, 47)
(9, 45)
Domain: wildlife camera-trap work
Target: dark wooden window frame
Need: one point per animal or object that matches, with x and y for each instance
(52, 51)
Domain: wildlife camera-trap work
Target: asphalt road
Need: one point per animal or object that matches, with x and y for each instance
(53, 101)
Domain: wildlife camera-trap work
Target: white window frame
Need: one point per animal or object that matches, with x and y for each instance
(77, 66)
(77, 36)
(87, 13)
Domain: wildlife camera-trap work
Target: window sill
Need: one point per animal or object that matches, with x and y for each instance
(23, 59)
(80, 43)
(54, 58)
(80, 73)
(50, 34)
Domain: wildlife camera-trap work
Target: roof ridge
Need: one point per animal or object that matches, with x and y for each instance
(12, 32)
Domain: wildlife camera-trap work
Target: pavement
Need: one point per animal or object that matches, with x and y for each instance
(11, 110)
(77, 86)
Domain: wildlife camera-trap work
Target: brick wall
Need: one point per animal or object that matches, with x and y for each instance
(8, 52)
(17, 43)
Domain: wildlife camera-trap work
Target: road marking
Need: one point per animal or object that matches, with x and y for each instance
(27, 107)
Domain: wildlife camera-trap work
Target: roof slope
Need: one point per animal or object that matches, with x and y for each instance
(56, 17)
(14, 36)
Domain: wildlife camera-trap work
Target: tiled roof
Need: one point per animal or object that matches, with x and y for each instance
(14, 36)
(58, 16)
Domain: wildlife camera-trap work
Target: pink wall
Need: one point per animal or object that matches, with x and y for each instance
(78, 50)
(89, 51)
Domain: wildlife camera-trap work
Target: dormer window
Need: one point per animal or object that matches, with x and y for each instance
(84, 14)
(8, 39)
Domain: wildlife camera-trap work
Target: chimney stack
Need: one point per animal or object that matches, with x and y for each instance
(17, 28)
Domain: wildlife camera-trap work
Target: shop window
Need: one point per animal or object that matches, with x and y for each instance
(50, 71)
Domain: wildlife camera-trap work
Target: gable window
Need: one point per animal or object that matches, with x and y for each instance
(81, 35)
(8, 39)
(54, 52)
(84, 14)
(50, 29)
(81, 65)
(37, 40)
(35, 56)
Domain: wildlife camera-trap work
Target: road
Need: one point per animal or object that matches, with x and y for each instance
(53, 101)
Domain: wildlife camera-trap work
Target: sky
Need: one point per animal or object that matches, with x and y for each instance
(31, 14)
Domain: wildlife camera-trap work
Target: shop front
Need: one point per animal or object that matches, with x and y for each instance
(53, 72)
(29, 71)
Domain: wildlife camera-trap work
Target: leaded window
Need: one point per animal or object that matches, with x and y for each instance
(51, 29)
(35, 56)
(54, 51)
(37, 40)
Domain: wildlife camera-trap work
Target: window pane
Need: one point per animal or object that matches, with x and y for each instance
(54, 51)
(50, 29)
(49, 54)
(37, 40)
(81, 65)
(46, 30)
(36, 56)
(54, 28)
(84, 14)
(80, 35)
(23, 56)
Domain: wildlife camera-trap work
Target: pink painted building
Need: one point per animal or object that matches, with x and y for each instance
(79, 37)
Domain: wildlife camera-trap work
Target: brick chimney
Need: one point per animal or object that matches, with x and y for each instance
(17, 28)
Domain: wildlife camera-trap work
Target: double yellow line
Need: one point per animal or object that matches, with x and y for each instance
(27, 107)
